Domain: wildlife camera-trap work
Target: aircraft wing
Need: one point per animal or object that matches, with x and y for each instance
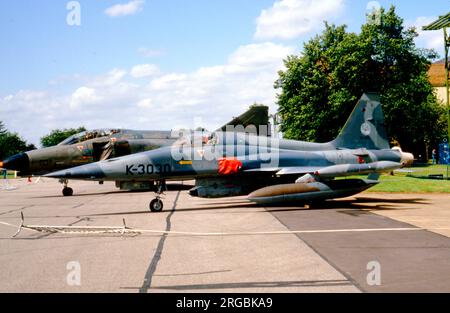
(334, 170)
(355, 169)
(299, 170)
(263, 169)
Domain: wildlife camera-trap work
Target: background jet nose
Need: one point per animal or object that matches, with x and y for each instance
(407, 159)
(19, 162)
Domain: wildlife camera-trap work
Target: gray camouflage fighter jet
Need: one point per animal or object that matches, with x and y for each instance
(103, 144)
(267, 170)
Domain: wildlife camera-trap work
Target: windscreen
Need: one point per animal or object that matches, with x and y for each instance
(87, 135)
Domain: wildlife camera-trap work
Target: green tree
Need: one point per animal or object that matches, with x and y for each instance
(2, 129)
(320, 87)
(11, 143)
(58, 135)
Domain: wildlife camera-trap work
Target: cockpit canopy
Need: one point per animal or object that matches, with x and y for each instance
(212, 138)
(87, 135)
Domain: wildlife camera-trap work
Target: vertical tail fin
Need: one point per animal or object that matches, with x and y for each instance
(365, 127)
(256, 115)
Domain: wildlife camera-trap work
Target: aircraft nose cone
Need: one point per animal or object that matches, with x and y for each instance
(19, 162)
(407, 159)
(88, 171)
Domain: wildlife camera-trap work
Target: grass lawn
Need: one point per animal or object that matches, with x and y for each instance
(424, 171)
(414, 179)
(10, 175)
(400, 183)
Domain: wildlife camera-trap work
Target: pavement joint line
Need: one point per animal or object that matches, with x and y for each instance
(324, 257)
(15, 210)
(159, 249)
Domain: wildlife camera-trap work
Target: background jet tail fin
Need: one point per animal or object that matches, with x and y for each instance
(365, 127)
(374, 176)
(256, 115)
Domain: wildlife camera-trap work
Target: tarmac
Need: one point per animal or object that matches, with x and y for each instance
(371, 242)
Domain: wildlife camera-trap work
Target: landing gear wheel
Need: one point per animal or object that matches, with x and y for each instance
(156, 205)
(67, 191)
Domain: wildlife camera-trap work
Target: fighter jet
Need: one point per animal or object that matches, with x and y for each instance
(267, 170)
(103, 144)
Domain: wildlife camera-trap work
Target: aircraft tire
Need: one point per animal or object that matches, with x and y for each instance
(67, 191)
(156, 205)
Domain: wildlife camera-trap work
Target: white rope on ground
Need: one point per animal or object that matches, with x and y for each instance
(122, 230)
(7, 186)
(8, 224)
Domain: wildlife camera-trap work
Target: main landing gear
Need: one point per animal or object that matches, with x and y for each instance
(156, 205)
(67, 191)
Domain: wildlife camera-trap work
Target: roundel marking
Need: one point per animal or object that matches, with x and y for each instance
(365, 129)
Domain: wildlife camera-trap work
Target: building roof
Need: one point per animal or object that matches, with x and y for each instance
(436, 74)
(443, 21)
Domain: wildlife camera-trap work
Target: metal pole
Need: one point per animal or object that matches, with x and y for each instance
(446, 42)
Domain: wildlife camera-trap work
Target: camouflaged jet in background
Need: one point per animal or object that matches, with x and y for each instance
(268, 171)
(103, 144)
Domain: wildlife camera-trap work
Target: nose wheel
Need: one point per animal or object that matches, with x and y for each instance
(67, 191)
(156, 205)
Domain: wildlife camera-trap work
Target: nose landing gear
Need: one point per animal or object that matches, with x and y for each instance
(156, 205)
(67, 191)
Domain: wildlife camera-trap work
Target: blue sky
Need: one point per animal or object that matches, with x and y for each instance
(140, 64)
(41, 46)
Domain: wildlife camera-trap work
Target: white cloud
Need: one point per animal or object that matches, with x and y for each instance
(145, 103)
(8, 98)
(123, 9)
(254, 57)
(150, 53)
(144, 70)
(83, 96)
(430, 39)
(170, 100)
(219, 92)
(111, 78)
(288, 19)
(167, 81)
(27, 95)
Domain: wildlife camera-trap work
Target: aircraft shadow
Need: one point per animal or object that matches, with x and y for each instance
(240, 285)
(180, 210)
(357, 204)
(170, 187)
(192, 274)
